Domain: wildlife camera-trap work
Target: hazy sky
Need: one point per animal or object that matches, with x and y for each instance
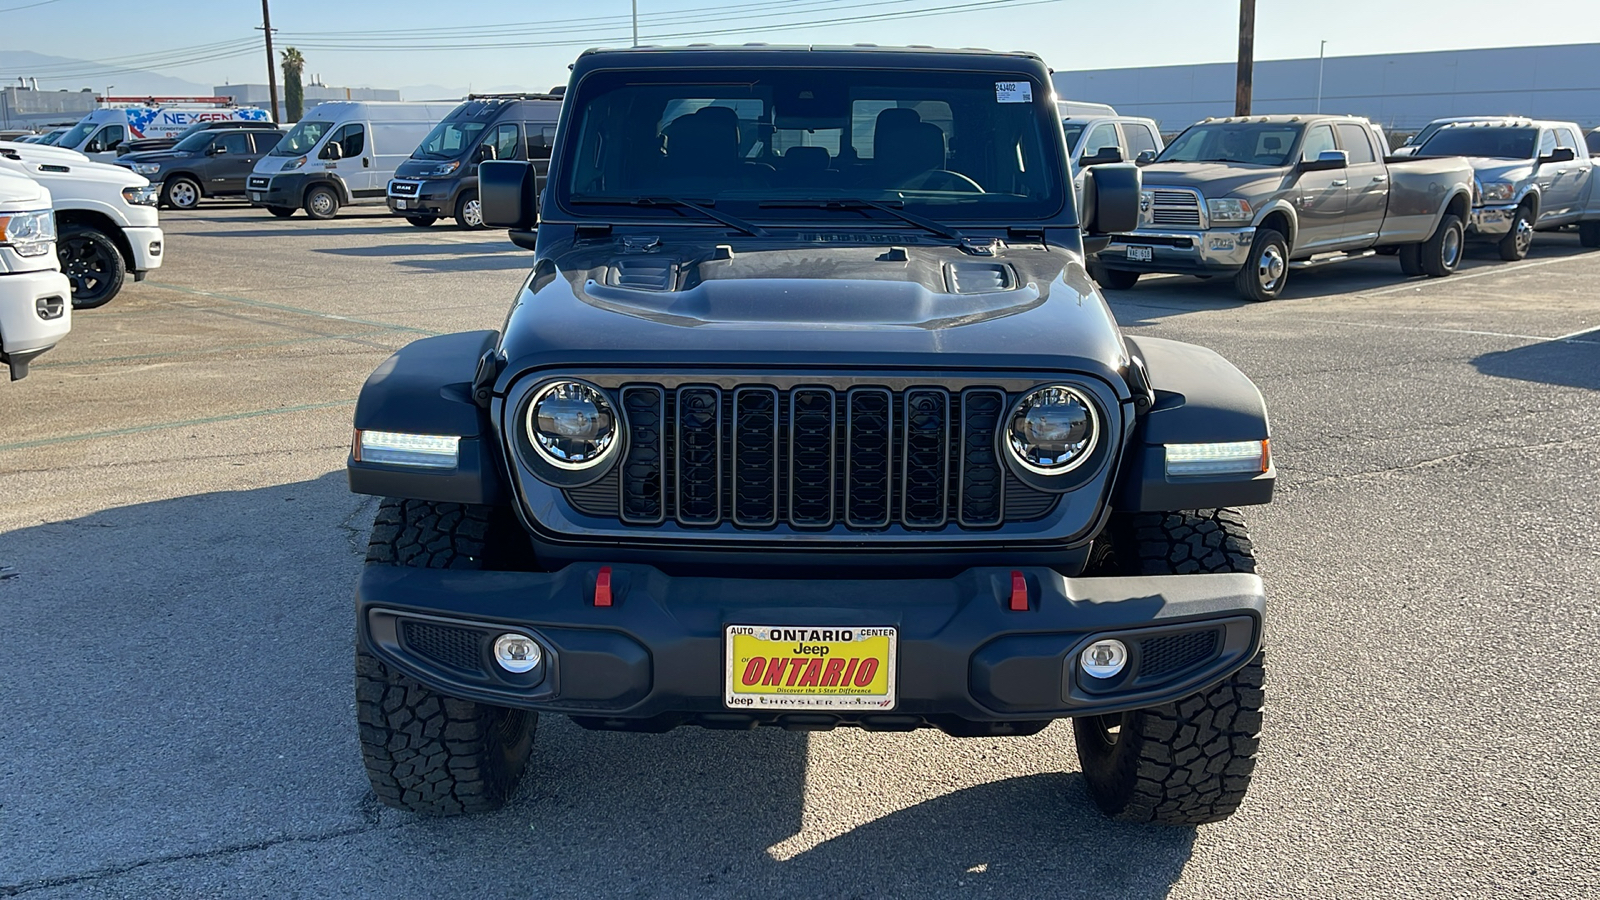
(444, 42)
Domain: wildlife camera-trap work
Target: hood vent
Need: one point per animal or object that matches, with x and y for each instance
(645, 274)
(980, 278)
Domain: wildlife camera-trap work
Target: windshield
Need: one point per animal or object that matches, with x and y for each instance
(448, 139)
(301, 139)
(768, 144)
(195, 142)
(1493, 142)
(1241, 143)
(53, 136)
(75, 136)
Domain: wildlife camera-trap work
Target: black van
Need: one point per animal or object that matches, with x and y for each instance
(441, 177)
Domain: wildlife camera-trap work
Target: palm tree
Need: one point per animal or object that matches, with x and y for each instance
(294, 94)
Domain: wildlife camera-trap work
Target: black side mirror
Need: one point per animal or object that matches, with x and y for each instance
(1559, 155)
(1326, 160)
(216, 150)
(1145, 158)
(509, 194)
(487, 151)
(332, 151)
(1103, 156)
(1110, 203)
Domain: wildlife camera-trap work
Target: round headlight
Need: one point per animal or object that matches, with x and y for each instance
(1052, 430)
(571, 425)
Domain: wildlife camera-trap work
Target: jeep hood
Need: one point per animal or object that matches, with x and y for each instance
(802, 304)
(1216, 179)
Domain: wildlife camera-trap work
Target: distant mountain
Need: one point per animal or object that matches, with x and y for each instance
(82, 73)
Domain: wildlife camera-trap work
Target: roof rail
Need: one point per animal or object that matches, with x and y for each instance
(514, 96)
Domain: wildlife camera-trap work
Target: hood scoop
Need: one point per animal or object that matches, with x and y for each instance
(980, 278)
(643, 274)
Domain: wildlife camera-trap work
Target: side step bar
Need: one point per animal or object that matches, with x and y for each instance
(1329, 259)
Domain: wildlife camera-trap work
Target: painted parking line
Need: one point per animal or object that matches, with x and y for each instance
(159, 426)
(203, 351)
(1542, 338)
(1478, 272)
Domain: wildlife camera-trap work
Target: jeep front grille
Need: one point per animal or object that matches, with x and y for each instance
(866, 458)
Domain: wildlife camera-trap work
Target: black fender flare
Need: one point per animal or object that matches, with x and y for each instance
(1199, 398)
(426, 387)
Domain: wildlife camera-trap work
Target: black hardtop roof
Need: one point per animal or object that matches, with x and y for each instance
(807, 56)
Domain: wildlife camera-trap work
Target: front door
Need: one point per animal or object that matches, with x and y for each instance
(1368, 191)
(355, 166)
(232, 158)
(103, 146)
(1566, 184)
(1319, 198)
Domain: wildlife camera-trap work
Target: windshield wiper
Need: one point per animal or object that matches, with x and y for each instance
(731, 221)
(860, 203)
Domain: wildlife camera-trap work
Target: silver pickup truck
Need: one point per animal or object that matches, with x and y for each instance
(1254, 197)
(1531, 176)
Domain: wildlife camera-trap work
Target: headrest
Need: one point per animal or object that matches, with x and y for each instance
(806, 159)
(708, 136)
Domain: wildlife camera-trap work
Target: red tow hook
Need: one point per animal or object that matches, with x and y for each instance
(602, 587)
(1019, 592)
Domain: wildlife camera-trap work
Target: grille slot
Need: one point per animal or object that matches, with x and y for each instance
(982, 497)
(869, 450)
(1169, 655)
(755, 456)
(644, 487)
(446, 645)
(811, 432)
(699, 444)
(925, 469)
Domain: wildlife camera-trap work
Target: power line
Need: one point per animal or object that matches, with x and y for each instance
(150, 56)
(29, 5)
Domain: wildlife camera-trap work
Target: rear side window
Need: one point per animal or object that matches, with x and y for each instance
(265, 140)
(1356, 143)
(540, 139)
(1565, 138)
(1318, 139)
(1139, 138)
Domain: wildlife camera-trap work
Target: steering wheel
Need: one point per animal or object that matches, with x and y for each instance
(940, 180)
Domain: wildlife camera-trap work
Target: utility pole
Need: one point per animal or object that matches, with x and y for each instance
(635, 22)
(1247, 57)
(272, 68)
(1321, 53)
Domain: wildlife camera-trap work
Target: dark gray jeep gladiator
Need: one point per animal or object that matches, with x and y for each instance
(809, 415)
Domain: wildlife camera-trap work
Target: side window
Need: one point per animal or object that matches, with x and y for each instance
(541, 138)
(1318, 139)
(1547, 142)
(1565, 139)
(352, 140)
(505, 141)
(265, 140)
(1104, 135)
(1356, 143)
(237, 143)
(109, 137)
(1139, 138)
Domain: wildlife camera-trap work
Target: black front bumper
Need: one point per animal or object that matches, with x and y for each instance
(285, 191)
(434, 197)
(654, 659)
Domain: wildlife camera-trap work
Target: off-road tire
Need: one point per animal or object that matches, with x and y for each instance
(1269, 252)
(422, 221)
(1116, 279)
(317, 209)
(1589, 234)
(181, 192)
(282, 212)
(1441, 253)
(1189, 762)
(423, 751)
(1519, 239)
(92, 263)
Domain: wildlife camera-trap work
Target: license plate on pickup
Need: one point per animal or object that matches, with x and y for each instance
(805, 667)
(254, 195)
(1141, 254)
(399, 204)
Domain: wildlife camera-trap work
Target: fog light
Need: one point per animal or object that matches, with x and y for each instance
(518, 652)
(1103, 659)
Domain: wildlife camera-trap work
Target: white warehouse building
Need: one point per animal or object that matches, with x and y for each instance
(1402, 92)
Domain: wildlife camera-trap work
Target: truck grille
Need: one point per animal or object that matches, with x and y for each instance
(866, 458)
(260, 182)
(404, 188)
(1174, 207)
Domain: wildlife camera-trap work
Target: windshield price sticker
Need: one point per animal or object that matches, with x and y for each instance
(1013, 91)
(783, 667)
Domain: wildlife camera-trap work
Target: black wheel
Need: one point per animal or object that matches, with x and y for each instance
(1519, 239)
(1117, 279)
(1189, 762)
(423, 751)
(1441, 253)
(92, 263)
(1411, 260)
(1266, 269)
(1589, 234)
(422, 221)
(282, 212)
(469, 212)
(181, 192)
(322, 202)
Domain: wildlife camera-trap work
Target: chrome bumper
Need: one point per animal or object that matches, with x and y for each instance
(1492, 220)
(1213, 250)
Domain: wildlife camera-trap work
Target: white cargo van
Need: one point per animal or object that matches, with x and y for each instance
(340, 153)
(98, 134)
(35, 304)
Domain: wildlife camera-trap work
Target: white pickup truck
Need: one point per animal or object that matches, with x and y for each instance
(35, 311)
(106, 216)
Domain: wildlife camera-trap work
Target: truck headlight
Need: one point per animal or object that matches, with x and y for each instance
(1052, 430)
(572, 425)
(426, 451)
(1229, 458)
(29, 233)
(293, 164)
(443, 169)
(144, 195)
(1498, 191)
(144, 168)
(1230, 210)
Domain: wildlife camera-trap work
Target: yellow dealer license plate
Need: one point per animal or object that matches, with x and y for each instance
(794, 667)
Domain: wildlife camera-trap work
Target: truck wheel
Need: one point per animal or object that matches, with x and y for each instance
(422, 221)
(1410, 260)
(321, 202)
(1441, 253)
(282, 212)
(181, 193)
(1116, 279)
(1266, 269)
(1519, 239)
(1589, 234)
(1189, 762)
(92, 263)
(469, 212)
(423, 751)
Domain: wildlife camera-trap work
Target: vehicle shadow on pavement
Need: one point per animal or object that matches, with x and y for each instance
(425, 249)
(1572, 361)
(310, 228)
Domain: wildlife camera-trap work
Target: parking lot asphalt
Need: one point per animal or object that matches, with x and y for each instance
(178, 552)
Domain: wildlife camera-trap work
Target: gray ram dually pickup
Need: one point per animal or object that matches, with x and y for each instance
(1254, 197)
(809, 415)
